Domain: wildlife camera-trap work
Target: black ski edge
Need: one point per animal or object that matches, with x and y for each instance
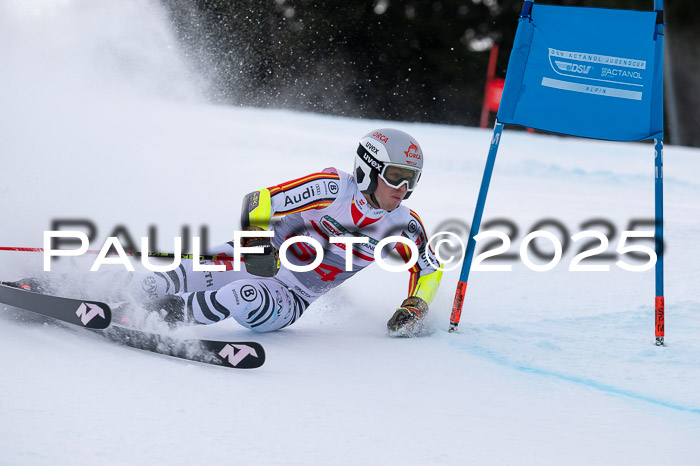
(94, 315)
(235, 355)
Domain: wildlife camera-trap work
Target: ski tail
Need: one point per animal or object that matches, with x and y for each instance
(83, 313)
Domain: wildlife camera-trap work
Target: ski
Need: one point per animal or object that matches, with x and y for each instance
(238, 355)
(89, 314)
(97, 316)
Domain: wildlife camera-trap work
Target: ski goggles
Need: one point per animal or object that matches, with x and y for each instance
(393, 174)
(396, 175)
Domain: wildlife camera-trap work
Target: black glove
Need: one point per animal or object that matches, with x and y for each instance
(407, 320)
(265, 264)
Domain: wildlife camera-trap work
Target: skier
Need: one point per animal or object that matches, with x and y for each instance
(264, 296)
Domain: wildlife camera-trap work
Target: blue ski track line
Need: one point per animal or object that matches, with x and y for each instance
(505, 362)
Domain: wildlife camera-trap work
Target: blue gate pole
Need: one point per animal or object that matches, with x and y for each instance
(659, 307)
(476, 223)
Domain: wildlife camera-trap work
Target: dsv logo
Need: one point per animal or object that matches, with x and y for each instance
(573, 67)
(249, 293)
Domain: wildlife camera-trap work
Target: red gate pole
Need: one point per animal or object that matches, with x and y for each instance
(490, 74)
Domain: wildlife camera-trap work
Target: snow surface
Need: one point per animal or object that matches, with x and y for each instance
(103, 120)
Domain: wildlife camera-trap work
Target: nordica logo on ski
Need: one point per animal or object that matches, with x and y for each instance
(87, 311)
(234, 354)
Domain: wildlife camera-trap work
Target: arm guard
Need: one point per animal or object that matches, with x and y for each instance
(257, 209)
(425, 278)
(426, 286)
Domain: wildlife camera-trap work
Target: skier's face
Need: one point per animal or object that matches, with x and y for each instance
(389, 198)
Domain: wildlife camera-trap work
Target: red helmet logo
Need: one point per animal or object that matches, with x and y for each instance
(412, 151)
(381, 137)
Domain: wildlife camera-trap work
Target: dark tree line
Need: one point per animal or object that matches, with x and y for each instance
(400, 60)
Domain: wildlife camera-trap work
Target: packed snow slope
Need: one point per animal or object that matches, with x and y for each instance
(548, 368)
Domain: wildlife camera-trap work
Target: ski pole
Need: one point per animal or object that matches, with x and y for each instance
(165, 255)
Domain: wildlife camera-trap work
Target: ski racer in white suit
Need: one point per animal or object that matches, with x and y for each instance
(264, 296)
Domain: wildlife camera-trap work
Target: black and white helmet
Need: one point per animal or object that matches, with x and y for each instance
(390, 154)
